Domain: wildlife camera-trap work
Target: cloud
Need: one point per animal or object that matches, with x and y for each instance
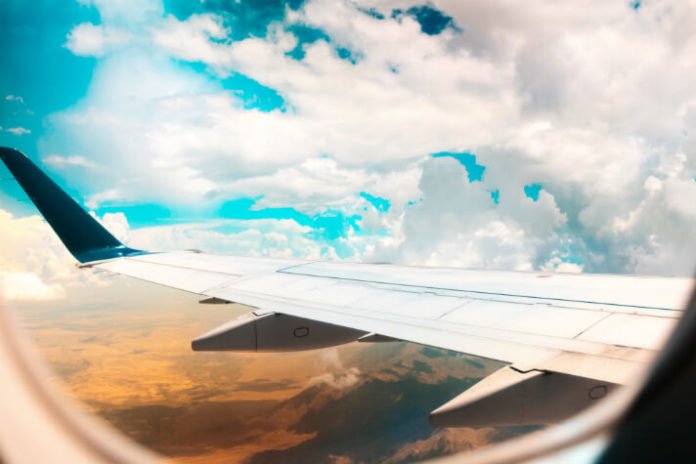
(233, 141)
(18, 131)
(117, 224)
(458, 223)
(339, 459)
(196, 39)
(442, 442)
(34, 264)
(65, 161)
(127, 13)
(88, 39)
(265, 237)
(318, 183)
(575, 99)
(338, 381)
(14, 98)
(28, 286)
(556, 264)
(338, 376)
(323, 88)
(94, 201)
(658, 246)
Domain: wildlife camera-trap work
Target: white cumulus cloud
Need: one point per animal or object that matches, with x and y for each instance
(65, 161)
(89, 39)
(14, 98)
(18, 131)
(594, 102)
(33, 263)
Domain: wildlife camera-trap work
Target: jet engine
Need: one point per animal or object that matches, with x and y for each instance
(274, 333)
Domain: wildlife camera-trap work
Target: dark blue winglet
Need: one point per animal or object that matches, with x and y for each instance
(83, 236)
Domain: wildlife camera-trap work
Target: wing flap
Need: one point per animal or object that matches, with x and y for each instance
(642, 331)
(510, 397)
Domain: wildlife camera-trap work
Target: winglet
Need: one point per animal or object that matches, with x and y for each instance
(83, 236)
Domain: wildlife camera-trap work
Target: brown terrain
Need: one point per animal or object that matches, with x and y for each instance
(123, 351)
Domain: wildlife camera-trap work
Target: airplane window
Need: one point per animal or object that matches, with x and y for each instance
(345, 231)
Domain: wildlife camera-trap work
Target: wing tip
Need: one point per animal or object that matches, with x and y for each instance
(85, 238)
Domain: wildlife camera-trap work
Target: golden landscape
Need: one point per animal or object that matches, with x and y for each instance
(123, 351)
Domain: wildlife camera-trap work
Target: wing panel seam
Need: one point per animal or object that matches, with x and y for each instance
(478, 292)
(418, 323)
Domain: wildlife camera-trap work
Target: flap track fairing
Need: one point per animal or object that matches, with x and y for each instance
(274, 333)
(512, 397)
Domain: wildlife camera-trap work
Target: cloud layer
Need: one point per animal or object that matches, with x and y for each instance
(590, 106)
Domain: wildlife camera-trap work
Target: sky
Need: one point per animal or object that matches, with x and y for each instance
(493, 134)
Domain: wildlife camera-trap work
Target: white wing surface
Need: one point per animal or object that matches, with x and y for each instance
(594, 326)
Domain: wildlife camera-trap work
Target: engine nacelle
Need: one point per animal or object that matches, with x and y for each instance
(274, 333)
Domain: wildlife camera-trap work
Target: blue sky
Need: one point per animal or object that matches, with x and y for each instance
(37, 88)
(405, 133)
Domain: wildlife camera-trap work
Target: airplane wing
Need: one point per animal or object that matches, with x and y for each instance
(567, 339)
